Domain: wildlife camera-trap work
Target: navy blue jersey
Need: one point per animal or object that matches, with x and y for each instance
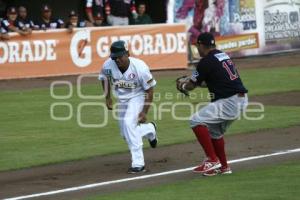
(219, 74)
(52, 24)
(25, 23)
(6, 24)
(3, 30)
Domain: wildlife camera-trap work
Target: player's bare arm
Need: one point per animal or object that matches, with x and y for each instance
(148, 100)
(106, 89)
(21, 32)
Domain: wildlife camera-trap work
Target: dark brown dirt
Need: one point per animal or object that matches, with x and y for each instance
(105, 168)
(269, 61)
(279, 99)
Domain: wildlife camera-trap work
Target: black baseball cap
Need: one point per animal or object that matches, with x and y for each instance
(46, 8)
(118, 48)
(12, 10)
(98, 16)
(73, 14)
(206, 39)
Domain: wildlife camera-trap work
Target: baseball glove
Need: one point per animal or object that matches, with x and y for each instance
(179, 82)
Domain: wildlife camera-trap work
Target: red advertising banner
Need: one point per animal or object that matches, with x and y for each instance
(58, 52)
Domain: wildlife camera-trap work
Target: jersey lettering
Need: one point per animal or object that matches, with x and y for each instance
(229, 66)
(125, 84)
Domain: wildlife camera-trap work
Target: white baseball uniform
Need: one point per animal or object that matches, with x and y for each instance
(129, 88)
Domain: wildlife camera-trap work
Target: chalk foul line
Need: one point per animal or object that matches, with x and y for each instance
(94, 185)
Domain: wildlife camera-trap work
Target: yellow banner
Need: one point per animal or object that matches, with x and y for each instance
(232, 43)
(237, 42)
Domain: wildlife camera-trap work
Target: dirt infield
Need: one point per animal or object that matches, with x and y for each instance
(106, 168)
(279, 99)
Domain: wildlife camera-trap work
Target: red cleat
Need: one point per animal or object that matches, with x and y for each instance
(207, 166)
(221, 171)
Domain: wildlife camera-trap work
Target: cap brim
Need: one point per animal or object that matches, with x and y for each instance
(118, 54)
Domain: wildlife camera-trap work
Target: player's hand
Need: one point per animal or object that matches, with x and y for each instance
(179, 84)
(109, 104)
(142, 117)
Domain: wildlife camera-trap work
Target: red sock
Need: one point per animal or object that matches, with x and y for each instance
(204, 139)
(219, 146)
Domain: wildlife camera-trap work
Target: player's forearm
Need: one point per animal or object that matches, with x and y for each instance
(21, 32)
(106, 88)
(90, 15)
(148, 100)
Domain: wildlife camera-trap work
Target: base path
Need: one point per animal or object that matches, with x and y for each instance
(107, 168)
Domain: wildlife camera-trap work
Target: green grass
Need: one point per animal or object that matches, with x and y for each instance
(267, 81)
(29, 137)
(279, 182)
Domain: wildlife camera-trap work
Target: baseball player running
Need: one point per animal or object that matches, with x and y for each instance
(228, 99)
(133, 85)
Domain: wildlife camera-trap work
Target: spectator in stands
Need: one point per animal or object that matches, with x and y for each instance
(23, 20)
(99, 20)
(47, 22)
(9, 24)
(3, 33)
(120, 11)
(142, 17)
(94, 8)
(74, 22)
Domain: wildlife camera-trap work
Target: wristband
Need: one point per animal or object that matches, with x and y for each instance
(183, 86)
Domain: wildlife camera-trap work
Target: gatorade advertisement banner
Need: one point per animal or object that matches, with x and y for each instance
(57, 52)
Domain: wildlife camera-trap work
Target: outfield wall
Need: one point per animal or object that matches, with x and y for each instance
(58, 52)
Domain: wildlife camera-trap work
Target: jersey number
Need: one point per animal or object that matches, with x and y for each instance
(229, 66)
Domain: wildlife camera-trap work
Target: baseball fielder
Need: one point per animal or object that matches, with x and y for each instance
(133, 85)
(229, 99)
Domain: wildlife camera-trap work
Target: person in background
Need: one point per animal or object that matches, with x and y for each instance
(3, 33)
(47, 22)
(119, 11)
(142, 17)
(23, 19)
(9, 24)
(99, 20)
(74, 22)
(92, 9)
